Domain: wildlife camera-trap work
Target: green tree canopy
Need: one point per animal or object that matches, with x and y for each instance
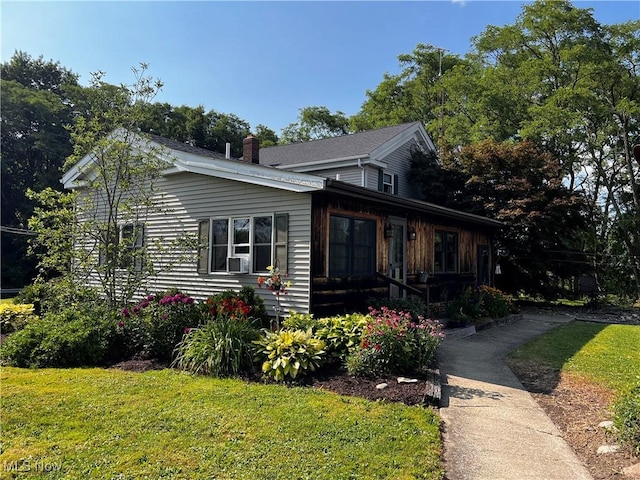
(522, 186)
(37, 98)
(314, 123)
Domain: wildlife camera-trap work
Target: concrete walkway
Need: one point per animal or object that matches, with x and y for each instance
(493, 428)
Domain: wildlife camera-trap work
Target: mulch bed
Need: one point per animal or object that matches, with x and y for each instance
(426, 391)
(577, 408)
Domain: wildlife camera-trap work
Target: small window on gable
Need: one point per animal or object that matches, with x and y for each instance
(387, 182)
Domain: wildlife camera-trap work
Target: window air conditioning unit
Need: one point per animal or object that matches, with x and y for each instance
(237, 265)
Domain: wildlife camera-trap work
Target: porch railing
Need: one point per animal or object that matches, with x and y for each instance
(425, 294)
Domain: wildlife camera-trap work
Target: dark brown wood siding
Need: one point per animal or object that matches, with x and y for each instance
(346, 294)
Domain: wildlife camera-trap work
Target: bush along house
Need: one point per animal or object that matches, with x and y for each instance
(339, 216)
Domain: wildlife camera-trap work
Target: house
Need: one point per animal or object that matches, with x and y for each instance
(339, 215)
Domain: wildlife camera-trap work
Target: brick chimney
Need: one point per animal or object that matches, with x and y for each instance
(251, 149)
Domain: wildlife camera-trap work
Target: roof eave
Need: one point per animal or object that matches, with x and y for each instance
(334, 186)
(345, 162)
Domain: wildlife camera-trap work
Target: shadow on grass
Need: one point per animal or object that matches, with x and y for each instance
(535, 349)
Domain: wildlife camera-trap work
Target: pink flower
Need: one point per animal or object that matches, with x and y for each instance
(150, 298)
(124, 312)
(120, 324)
(187, 330)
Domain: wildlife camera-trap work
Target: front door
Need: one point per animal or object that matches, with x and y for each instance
(397, 250)
(483, 265)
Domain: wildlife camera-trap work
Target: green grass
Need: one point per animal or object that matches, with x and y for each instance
(95, 423)
(605, 354)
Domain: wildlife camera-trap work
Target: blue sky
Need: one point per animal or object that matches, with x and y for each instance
(261, 61)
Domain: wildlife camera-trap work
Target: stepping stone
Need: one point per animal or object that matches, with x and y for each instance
(608, 449)
(606, 424)
(632, 471)
(407, 380)
(382, 386)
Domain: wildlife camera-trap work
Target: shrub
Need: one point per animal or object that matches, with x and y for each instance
(56, 295)
(155, 325)
(428, 337)
(71, 338)
(341, 334)
(245, 303)
(15, 316)
(300, 321)
(289, 353)
(393, 343)
(221, 347)
(481, 301)
(627, 419)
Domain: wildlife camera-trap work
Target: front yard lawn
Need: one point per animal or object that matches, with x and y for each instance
(95, 423)
(605, 354)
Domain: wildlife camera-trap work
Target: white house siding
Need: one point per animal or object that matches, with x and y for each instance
(352, 175)
(187, 198)
(399, 162)
(372, 177)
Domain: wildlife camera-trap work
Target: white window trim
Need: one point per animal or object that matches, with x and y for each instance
(390, 184)
(230, 241)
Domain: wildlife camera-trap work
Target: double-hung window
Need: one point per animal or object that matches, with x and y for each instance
(125, 246)
(445, 250)
(250, 238)
(387, 182)
(352, 246)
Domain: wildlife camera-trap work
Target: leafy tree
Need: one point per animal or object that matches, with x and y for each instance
(414, 94)
(556, 77)
(210, 130)
(522, 186)
(314, 123)
(267, 137)
(53, 246)
(37, 99)
(572, 86)
(222, 128)
(120, 171)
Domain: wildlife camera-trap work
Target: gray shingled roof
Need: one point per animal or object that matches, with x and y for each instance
(184, 147)
(353, 145)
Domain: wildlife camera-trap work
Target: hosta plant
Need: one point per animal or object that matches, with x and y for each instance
(341, 334)
(289, 353)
